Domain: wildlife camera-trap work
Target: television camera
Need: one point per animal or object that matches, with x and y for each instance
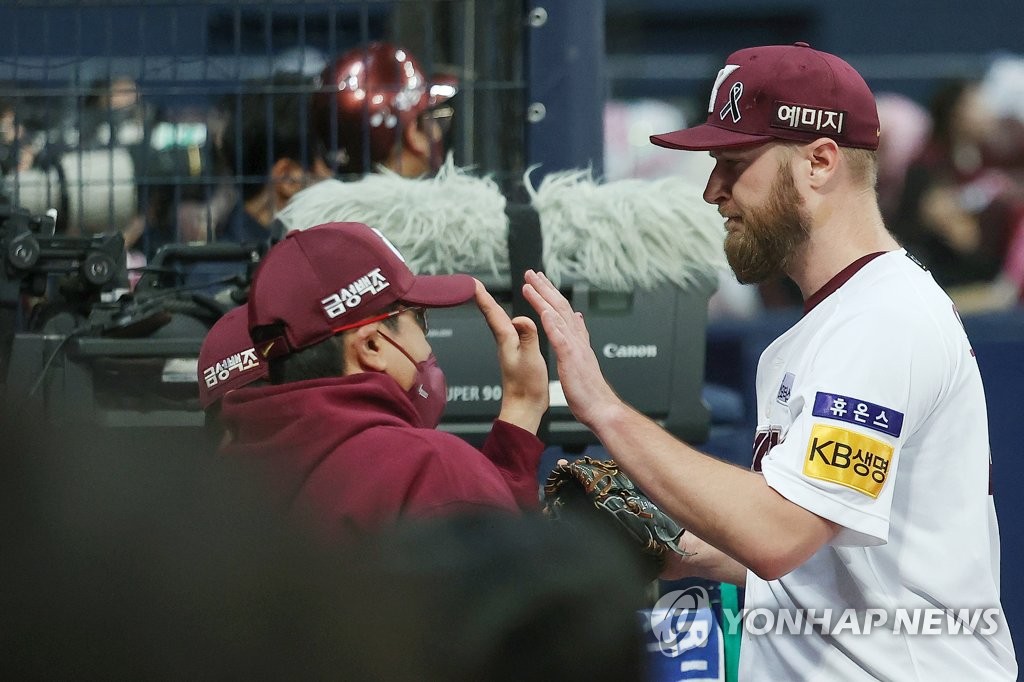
(76, 345)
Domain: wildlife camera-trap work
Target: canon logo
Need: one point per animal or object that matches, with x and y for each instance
(614, 350)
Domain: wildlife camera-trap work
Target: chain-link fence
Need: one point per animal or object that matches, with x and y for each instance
(159, 118)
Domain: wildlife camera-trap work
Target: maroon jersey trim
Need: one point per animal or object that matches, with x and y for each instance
(839, 280)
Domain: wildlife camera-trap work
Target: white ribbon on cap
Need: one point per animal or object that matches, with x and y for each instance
(725, 72)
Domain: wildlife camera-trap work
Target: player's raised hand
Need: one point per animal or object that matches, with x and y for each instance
(524, 374)
(586, 390)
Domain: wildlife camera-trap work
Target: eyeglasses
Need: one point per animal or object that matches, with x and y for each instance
(419, 315)
(442, 116)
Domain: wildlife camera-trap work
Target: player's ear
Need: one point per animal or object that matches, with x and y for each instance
(364, 351)
(416, 139)
(823, 155)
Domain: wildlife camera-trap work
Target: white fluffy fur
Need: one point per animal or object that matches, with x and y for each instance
(453, 222)
(628, 234)
(617, 236)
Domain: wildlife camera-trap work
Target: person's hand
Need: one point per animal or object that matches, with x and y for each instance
(586, 390)
(524, 374)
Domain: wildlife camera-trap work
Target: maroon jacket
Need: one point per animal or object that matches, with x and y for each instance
(346, 452)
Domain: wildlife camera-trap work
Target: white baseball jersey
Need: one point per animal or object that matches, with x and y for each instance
(871, 414)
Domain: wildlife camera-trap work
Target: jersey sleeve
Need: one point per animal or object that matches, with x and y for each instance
(869, 382)
(516, 453)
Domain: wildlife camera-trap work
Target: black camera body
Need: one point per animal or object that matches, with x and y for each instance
(85, 267)
(649, 343)
(77, 346)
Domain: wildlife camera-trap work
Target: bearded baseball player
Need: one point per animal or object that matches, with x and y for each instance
(865, 533)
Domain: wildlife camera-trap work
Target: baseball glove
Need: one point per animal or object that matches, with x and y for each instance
(574, 490)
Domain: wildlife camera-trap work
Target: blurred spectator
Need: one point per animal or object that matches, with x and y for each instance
(113, 116)
(25, 116)
(1011, 282)
(17, 147)
(960, 208)
(1002, 89)
(271, 149)
(376, 107)
(1003, 86)
(247, 157)
(905, 126)
(113, 113)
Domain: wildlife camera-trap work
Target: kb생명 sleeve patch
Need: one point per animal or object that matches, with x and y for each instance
(861, 412)
(847, 458)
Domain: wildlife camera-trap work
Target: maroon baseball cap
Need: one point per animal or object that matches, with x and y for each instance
(227, 358)
(783, 92)
(317, 281)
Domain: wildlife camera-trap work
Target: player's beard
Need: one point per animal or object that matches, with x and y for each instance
(771, 234)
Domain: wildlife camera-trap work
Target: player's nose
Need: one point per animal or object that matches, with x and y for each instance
(716, 190)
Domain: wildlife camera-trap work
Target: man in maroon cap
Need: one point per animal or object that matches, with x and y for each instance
(227, 360)
(867, 508)
(346, 430)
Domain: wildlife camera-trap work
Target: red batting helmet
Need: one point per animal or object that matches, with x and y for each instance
(372, 92)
